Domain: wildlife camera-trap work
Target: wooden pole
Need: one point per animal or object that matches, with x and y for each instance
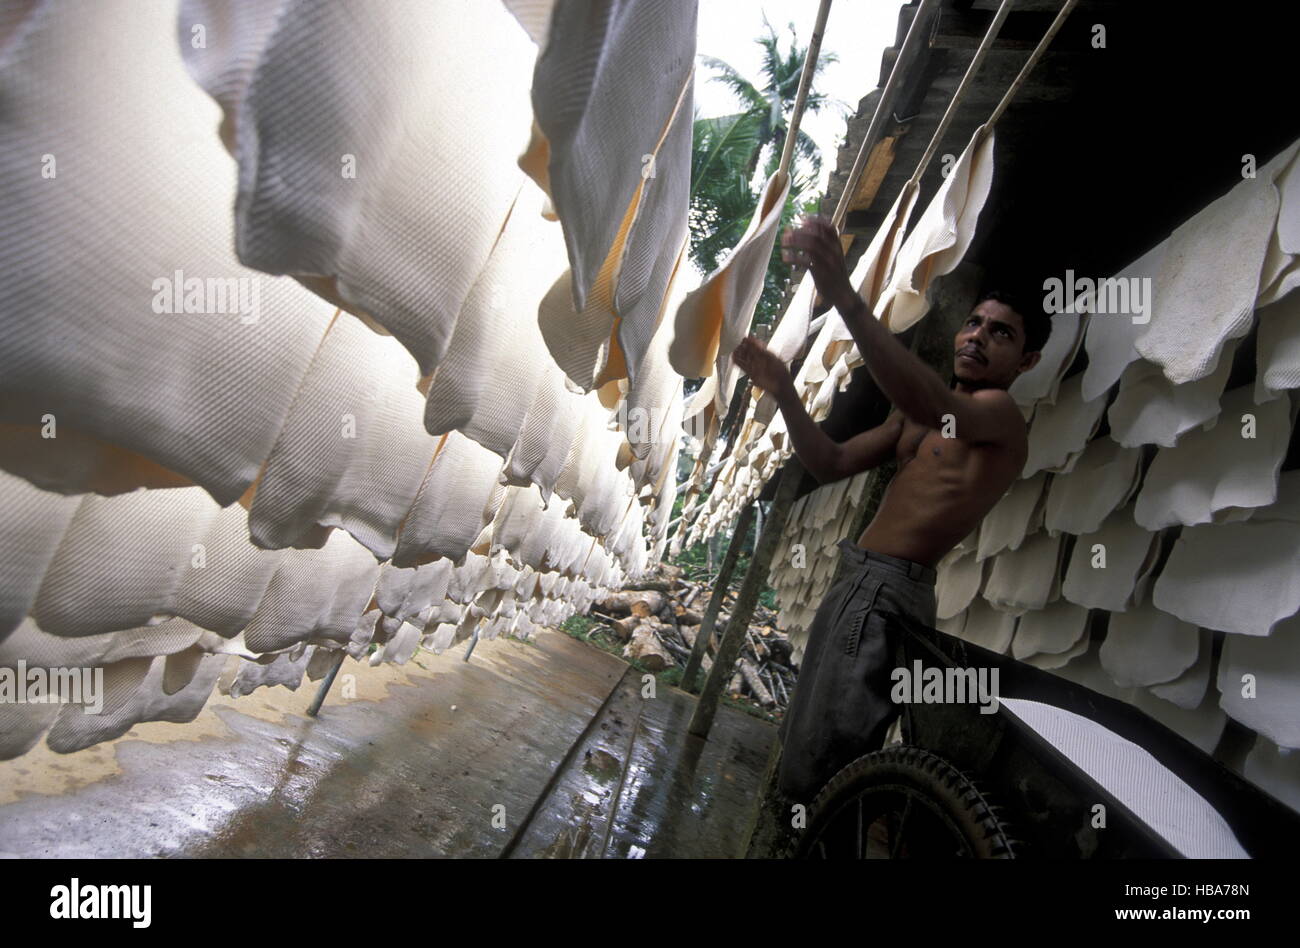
(324, 688)
(805, 82)
(1033, 60)
(966, 80)
(710, 619)
(916, 34)
(755, 576)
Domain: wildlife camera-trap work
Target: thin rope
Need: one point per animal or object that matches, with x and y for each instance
(966, 81)
(884, 105)
(920, 23)
(1032, 61)
(877, 119)
(1012, 90)
(787, 153)
(805, 82)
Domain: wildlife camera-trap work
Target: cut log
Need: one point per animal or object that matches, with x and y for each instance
(623, 603)
(646, 648)
(688, 636)
(624, 628)
(756, 687)
(657, 585)
(737, 684)
(688, 618)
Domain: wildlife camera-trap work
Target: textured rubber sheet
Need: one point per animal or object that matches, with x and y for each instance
(1145, 786)
(1145, 646)
(1106, 564)
(1149, 409)
(381, 177)
(452, 505)
(605, 337)
(1054, 630)
(958, 582)
(942, 235)
(1027, 578)
(1060, 430)
(352, 452)
(988, 627)
(31, 529)
(1042, 381)
(1017, 514)
(1209, 474)
(490, 373)
(1202, 297)
(604, 88)
(1110, 340)
(713, 319)
(1277, 348)
(1101, 481)
(173, 354)
(1242, 578)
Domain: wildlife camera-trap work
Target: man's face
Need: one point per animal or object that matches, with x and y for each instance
(989, 347)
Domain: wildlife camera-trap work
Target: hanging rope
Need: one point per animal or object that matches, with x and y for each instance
(741, 392)
(884, 107)
(805, 83)
(1032, 61)
(1014, 88)
(951, 112)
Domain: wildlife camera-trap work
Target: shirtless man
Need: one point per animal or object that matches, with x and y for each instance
(958, 449)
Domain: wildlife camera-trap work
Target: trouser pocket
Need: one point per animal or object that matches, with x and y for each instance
(842, 704)
(860, 708)
(856, 611)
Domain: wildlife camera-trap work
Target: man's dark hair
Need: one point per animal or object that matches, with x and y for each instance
(1037, 322)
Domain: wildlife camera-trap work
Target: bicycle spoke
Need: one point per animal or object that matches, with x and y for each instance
(898, 840)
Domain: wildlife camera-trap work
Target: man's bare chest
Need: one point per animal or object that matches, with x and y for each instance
(919, 442)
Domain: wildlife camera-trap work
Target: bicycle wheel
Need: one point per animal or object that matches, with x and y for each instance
(903, 802)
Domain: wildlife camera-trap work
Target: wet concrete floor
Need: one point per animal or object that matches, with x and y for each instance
(544, 749)
(637, 785)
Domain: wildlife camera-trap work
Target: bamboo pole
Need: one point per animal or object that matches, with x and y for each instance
(884, 107)
(805, 83)
(951, 112)
(710, 620)
(1032, 61)
(725, 661)
(324, 688)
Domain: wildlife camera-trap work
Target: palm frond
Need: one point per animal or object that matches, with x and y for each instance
(723, 148)
(740, 87)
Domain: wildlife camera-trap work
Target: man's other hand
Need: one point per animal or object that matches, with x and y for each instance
(762, 365)
(815, 244)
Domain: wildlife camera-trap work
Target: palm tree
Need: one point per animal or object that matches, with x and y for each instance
(727, 151)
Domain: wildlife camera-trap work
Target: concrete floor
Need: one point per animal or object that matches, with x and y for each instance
(637, 785)
(550, 751)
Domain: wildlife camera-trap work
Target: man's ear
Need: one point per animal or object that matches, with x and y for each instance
(1029, 360)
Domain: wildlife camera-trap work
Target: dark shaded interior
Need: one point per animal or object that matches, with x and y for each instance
(1103, 152)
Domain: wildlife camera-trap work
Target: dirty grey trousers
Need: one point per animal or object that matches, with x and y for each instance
(841, 707)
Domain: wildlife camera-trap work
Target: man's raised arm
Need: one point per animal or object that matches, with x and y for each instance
(911, 385)
(826, 459)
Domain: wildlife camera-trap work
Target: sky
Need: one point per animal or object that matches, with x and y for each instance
(857, 31)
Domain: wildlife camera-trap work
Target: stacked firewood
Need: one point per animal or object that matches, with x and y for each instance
(658, 618)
